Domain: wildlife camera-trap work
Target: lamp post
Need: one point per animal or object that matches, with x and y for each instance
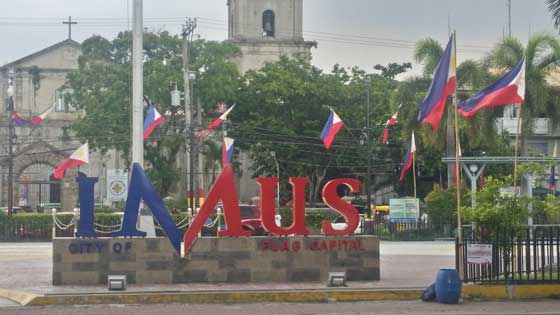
(273, 154)
(11, 135)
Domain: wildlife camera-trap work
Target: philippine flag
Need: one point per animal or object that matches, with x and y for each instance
(391, 122)
(443, 85)
(79, 157)
(227, 150)
(39, 119)
(409, 157)
(153, 119)
(332, 127)
(18, 120)
(216, 123)
(508, 89)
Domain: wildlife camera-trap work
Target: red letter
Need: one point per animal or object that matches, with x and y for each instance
(268, 209)
(224, 189)
(331, 199)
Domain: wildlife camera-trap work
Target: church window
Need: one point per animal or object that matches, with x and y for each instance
(268, 23)
(63, 99)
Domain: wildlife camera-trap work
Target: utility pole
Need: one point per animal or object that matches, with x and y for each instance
(11, 135)
(188, 29)
(200, 156)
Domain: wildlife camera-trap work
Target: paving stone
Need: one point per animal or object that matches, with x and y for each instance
(239, 276)
(302, 275)
(191, 276)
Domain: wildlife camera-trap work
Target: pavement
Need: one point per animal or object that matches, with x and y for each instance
(406, 268)
(541, 307)
(27, 267)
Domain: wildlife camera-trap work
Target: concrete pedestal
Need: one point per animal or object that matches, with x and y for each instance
(214, 260)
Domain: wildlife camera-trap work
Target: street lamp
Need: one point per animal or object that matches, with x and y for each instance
(273, 154)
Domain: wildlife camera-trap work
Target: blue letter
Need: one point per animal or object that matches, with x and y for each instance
(141, 188)
(85, 226)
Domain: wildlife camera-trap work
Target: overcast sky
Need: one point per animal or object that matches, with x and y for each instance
(349, 32)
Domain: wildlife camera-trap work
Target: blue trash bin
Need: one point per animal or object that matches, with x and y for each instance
(448, 286)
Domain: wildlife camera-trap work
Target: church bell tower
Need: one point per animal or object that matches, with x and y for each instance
(264, 30)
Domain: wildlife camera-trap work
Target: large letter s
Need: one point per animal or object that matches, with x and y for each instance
(331, 199)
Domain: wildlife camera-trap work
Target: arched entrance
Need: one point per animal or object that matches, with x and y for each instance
(36, 186)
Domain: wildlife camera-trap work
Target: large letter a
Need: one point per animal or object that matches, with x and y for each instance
(141, 188)
(223, 188)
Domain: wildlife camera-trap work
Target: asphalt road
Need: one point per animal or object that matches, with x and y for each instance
(385, 307)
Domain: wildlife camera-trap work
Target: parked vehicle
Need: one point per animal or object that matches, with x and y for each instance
(340, 224)
(250, 220)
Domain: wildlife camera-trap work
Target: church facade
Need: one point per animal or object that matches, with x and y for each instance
(263, 30)
(39, 82)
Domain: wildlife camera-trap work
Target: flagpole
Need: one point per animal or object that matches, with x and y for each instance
(414, 172)
(457, 146)
(519, 122)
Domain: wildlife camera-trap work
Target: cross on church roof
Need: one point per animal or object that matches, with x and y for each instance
(69, 22)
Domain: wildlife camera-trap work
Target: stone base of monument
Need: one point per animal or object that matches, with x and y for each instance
(215, 260)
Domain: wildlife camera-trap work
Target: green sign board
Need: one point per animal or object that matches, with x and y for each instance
(404, 210)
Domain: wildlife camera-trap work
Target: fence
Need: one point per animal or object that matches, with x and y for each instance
(413, 231)
(528, 255)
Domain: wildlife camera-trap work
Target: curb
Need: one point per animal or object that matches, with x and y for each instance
(22, 298)
(217, 297)
(469, 291)
(516, 291)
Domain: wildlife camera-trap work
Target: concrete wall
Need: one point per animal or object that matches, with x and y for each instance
(254, 54)
(214, 260)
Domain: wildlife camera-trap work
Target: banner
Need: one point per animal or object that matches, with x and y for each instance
(117, 184)
(404, 210)
(479, 253)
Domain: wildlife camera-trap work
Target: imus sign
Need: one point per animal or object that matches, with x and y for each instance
(141, 188)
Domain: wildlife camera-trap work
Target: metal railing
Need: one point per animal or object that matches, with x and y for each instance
(527, 255)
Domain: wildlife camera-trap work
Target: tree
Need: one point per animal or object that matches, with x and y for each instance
(476, 133)
(542, 55)
(101, 88)
(428, 52)
(283, 108)
(494, 211)
(554, 8)
(393, 69)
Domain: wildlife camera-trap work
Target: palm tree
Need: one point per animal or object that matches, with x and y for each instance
(554, 8)
(470, 76)
(542, 55)
(428, 52)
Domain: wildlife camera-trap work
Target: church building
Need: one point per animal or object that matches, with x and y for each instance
(264, 30)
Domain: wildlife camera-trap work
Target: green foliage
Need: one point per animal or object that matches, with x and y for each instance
(38, 226)
(101, 88)
(428, 52)
(554, 8)
(495, 212)
(393, 69)
(284, 106)
(442, 205)
(313, 217)
(542, 55)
